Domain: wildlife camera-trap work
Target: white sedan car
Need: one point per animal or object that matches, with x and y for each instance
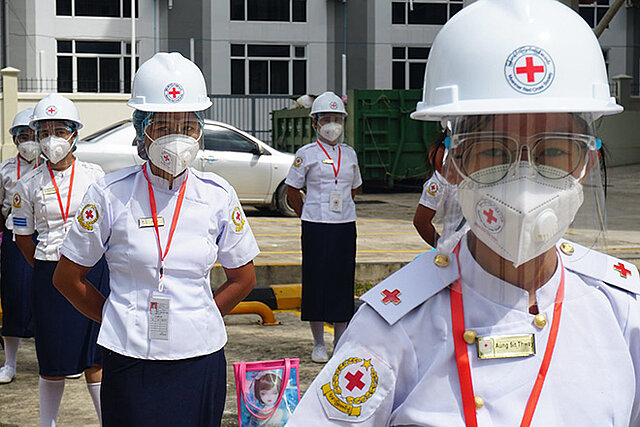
(256, 170)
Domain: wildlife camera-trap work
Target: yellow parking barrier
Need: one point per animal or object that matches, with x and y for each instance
(255, 307)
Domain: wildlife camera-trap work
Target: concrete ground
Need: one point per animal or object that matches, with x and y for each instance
(385, 238)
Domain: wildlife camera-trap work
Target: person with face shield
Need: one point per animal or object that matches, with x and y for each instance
(162, 227)
(512, 325)
(45, 202)
(15, 278)
(328, 169)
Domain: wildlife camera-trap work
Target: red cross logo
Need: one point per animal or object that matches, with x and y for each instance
(354, 380)
(16, 199)
(238, 216)
(154, 305)
(620, 268)
(333, 105)
(88, 214)
(530, 69)
(166, 158)
(490, 217)
(51, 110)
(391, 296)
(174, 92)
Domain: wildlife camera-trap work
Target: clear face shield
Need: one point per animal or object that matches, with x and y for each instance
(173, 140)
(524, 181)
(331, 127)
(56, 138)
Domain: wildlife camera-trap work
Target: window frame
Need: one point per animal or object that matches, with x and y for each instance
(448, 3)
(245, 12)
(122, 16)
(594, 9)
(407, 61)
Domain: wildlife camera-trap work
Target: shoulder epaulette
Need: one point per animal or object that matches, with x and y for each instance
(412, 285)
(212, 178)
(597, 265)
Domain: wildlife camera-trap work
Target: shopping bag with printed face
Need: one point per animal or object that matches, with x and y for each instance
(267, 392)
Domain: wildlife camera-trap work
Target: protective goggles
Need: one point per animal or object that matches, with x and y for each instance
(54, 129)
(487, 157)
(162, 124)
(23, 134)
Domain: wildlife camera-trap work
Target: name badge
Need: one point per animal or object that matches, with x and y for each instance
(328, 161)
(159, 317)
(148, 222)
(47, 191)
(499, 347)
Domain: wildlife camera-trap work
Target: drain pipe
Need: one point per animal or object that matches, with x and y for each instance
(5, 33)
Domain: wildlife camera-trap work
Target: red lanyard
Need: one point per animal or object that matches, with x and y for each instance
(34, 166)
(64, 213)
(174, 221)
(462, 356)
(335, 171)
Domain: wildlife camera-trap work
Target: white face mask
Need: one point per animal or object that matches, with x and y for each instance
(29, 150)
(331, 131)
(55, 148)
(173, 153)
(523, 215)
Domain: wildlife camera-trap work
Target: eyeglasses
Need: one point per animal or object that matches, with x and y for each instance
(487, 157)
(333, 118)
(157, 128)
(60, 131)
(25, 134)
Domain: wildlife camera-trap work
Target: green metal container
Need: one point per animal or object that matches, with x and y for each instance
(391, 147)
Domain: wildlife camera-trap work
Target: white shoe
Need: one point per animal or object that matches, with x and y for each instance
(73, 376)
(319, 354)
(7, 374)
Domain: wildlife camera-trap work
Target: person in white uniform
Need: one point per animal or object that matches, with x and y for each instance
(328, 169)
(514, 326)
(162, 227)
(45, 201)
(438, 202)
(15, 278)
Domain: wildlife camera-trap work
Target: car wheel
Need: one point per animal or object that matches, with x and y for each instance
(282, 203)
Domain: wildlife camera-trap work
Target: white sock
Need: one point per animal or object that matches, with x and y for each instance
(94, 391)
(50, 396)
(338, 330)
(11, 345)
(317, 329)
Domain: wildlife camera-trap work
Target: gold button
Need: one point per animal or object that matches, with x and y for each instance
(479, 402)
(441, 260)
(566, 248)
(469, 336)
(540, 320)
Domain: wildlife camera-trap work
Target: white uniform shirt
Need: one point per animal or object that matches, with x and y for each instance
(442, 197)
(211, 227)
(36, 207)
(311, 169)
(593, 378)
(8, 182)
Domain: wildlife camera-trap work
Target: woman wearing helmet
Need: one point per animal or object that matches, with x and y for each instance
(45, 201)
(329, 170)
(162, 227)
(514, 325)
(15, 279)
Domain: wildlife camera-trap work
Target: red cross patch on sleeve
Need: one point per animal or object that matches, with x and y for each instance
(237, 217)
(88, 216)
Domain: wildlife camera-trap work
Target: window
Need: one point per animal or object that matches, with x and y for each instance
(268, 69)
(424, 12)
(268, 10)
(94, 66)
(594, 11)
(407, 67)
(217, 138)
(102, 8)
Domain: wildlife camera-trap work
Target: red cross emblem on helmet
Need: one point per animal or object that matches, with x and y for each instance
(51, 110)
(173, 92)
(334, 105)
(529, 70)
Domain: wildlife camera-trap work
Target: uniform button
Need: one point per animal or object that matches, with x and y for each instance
(441, 260)
(566, 248)
(479, 402)
(540, 320)
(469, 336)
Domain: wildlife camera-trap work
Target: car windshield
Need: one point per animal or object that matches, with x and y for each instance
(106, 130)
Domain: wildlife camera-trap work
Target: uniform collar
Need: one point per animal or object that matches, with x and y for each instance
(328, 146)
(475, 278)
(160, 182)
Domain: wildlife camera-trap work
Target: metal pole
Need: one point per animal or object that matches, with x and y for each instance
(5, 33)
(344, 49)
(133, 41)
(606, 19)
(192, 49)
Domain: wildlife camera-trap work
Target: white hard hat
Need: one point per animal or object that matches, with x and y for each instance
(328, 102)
(55, 107)
(169, 82)
(515, 56)
(23, 118)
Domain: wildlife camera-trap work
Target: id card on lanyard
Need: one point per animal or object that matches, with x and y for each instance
(335, 197)
(159, 302)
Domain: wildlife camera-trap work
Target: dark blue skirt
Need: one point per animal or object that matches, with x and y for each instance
(15, 290)
(187, 392)
(65, 338)
(328, 271)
